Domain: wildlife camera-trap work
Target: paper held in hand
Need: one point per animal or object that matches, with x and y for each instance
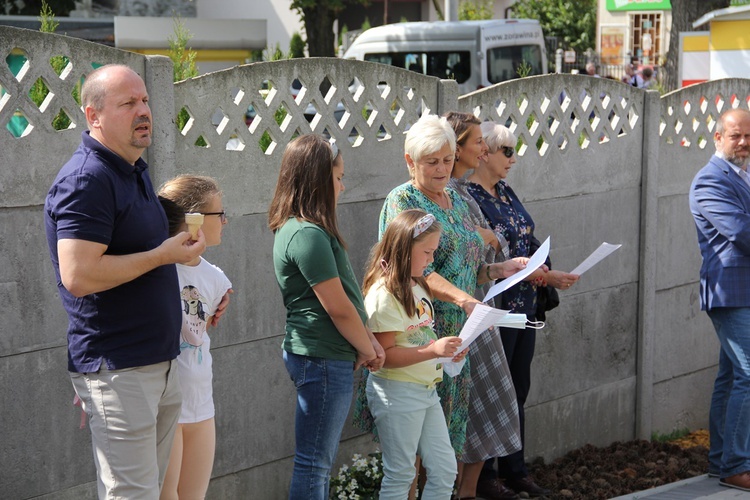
(535, 261)
(596, 256)
(481, 318)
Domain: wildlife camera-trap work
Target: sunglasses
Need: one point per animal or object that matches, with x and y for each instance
(222, 215)
(508, 151)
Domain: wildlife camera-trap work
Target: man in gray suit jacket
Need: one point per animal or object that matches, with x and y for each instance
(720, 204)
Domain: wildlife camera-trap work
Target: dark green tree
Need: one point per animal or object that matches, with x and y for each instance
(318, 17)
(572, 22)
(684, 14)
(296, 46)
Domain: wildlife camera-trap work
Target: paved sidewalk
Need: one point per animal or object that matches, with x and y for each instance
(703, 487)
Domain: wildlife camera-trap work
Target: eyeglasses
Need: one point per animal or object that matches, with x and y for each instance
(222, 215)
(508, 151)
(334, 149)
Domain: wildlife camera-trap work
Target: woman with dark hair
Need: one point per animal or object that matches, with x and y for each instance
(326, 338)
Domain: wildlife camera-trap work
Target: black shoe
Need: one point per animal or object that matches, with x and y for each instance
(494, 489)
(527, 485)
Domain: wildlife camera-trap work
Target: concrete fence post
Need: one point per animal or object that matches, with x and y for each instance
(648, 264)
(447, 96)
(160, 84)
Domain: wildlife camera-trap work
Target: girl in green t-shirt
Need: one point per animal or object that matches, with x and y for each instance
(402, 396)
(325, 334)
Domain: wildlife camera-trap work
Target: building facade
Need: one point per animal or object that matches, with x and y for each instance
(633, 30)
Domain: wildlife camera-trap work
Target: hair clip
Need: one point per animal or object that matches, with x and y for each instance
(334, 149)
(422, 224)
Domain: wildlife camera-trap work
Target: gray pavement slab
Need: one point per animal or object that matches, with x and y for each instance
(699, 487)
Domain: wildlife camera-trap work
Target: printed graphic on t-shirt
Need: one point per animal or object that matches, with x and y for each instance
(194, 320)
(422, 333)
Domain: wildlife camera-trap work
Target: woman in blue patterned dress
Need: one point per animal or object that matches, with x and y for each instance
(505, 214)
(459, 265)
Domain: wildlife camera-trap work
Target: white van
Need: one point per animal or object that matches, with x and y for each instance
(474, 53)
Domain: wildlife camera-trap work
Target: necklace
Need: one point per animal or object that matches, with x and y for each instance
(449, 204)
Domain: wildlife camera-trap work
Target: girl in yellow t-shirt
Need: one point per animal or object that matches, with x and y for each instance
(402, 396)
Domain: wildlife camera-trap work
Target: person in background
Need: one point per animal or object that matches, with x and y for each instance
(591, 69)
(114, 264)
(632, 77)
(504, 212)
(648, 77)
(326, 337)
(202, 285)
(720, 204)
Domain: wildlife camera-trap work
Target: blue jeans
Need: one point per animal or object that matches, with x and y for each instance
(729, 417)
(410, 421)
(324, 394)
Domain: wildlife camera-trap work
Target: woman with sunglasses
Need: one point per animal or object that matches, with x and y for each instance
(326, 339)
(507, 216)
(493, 428)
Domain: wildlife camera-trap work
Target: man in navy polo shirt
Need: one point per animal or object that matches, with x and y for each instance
(114, 263)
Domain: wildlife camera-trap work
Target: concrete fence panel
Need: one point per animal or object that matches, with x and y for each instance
(627, 351)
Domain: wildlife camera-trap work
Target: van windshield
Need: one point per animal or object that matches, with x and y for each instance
(503, 62)
(453, 65)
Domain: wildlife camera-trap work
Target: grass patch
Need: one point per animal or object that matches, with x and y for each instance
(672, 436)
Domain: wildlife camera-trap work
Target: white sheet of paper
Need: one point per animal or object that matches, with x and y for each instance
(535, 261)
(481, 318)
(596, 256)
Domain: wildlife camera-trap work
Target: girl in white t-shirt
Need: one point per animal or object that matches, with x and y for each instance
(402, 395)
(202, 286)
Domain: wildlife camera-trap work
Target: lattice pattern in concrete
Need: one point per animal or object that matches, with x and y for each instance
(689, 116)
(266, 105)
(563, 112)
(41, 76)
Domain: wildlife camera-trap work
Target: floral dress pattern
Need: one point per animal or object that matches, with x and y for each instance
(458, 259)
(507, 215)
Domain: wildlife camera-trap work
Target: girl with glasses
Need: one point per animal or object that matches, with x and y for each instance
(202, 287)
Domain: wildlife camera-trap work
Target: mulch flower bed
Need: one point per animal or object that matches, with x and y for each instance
(623, 467)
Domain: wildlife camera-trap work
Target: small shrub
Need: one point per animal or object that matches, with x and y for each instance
(523, 70)
(361, 480)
